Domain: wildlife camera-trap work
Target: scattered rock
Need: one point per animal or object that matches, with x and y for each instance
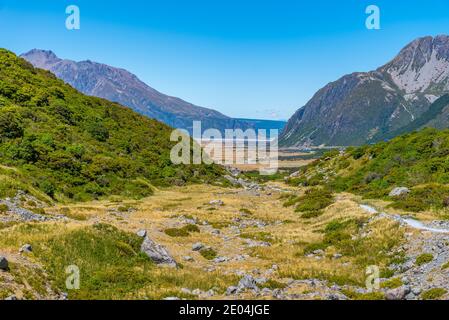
(248, 282)
(209, 293)
(196, 292)
(266, 292)
(197, 246)
(142, 233)
(232, 180)
(337, 296)
(11, 298)
(157, 253)
(171, 299)
(397, 192)
(416, 291)
(231, 291)
(337, 256)
(27, 248)
(253, 244)
(186, 291)
(398, 293)
(220, 259)
(188, 258)
(216, 203)
(3, 263)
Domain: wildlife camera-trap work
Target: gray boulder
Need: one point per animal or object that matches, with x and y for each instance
(27, 248)
(142, 233)
(248, 282)
(397, 192)
(3, 263)
(232, 290)
(157, 253)
(398, 293)
(197, 246)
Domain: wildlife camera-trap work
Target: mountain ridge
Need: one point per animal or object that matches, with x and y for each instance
(122, 86)
(361, 106)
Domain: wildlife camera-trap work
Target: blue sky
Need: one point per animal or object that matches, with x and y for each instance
(255, 59)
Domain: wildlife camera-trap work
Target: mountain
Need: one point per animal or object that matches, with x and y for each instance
(119, 85)
(363, 107)
(60, 142)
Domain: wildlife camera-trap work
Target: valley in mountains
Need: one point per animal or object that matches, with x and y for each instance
(89, 183)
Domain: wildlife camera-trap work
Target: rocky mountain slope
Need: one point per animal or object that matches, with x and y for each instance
(363, 107)
(119, 85)
(56, 141)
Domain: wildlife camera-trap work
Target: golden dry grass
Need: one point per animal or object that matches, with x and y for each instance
(169, 208)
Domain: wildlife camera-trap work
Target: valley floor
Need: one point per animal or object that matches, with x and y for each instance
(243, 244)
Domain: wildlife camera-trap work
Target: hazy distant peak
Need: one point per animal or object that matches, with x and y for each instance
(41, 58)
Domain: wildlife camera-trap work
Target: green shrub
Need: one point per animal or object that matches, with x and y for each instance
(375, 295)
(423, 259)
(273, 284)
(123, 209)
(246, 211)
(208, 253)
(191, 228)
(3, 208)
(173, 232)
(308, 249)
(423, 198)
(313, 202)
(258, 236)
(182, 232)
(31, 203)
(391, 283)
(433, 294)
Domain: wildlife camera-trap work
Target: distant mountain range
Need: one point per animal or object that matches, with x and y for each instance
(366, 107)
(119, 85)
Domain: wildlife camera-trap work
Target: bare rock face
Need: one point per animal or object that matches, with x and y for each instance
(157, 253)
(367, 107)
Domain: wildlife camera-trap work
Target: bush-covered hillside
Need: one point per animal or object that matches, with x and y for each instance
(58, 141)
(419, 161)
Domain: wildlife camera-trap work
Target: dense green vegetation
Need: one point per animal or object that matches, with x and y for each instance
(434, 110)
(182, 232)
(419, 161)
(423, 259)
(433, 294)
(312, 203)
(57, 142)
(208, 253)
